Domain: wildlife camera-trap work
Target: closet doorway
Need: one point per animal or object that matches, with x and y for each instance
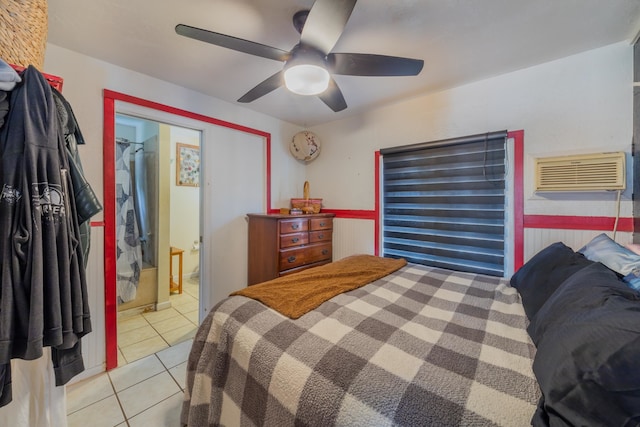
(235, 179)
(157, 224)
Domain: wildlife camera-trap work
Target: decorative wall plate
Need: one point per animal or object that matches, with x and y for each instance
(305, 146)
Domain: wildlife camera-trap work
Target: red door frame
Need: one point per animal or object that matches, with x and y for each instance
(108, 163)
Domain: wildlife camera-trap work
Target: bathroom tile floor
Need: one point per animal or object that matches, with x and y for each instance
(143, 334)
(147, 388)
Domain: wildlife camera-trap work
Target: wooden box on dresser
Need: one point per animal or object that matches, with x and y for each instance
(284, 244)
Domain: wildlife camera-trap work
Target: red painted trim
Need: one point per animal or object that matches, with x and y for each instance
(180, 112)
(530, 221)
(518, 197)
(97, 223)
(109, 188)
(268, 169)
(54, 81)
(351, 214)
(378, 219)
(342, 213)
(109, 197)
(564, 222)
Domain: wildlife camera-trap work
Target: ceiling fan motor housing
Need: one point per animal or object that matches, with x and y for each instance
(299, 19)
(303, 54)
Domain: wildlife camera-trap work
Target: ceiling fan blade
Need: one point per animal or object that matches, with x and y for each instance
(325, 23)
(333, 97)
(231, 42)
(364, 64)
(268, 85)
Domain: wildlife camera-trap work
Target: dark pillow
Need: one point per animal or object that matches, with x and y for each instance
(585, 290)
(588, 345)
(542, 274)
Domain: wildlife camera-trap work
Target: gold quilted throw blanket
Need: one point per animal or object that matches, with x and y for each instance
(296, 294)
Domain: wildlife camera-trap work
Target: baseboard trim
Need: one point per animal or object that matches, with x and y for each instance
(163, 305)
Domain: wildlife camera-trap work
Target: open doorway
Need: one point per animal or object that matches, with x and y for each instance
(157, 223)
(235, 179)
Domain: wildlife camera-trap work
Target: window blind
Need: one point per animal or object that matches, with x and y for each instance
(444, 203)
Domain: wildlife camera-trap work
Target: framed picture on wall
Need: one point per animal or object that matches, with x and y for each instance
(187, 165)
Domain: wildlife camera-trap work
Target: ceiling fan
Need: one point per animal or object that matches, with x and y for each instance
(310, 64)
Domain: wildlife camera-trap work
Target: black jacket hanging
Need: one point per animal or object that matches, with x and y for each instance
(43, 300)
(87, 203)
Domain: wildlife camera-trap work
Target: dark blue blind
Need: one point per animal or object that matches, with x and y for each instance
(444, 203)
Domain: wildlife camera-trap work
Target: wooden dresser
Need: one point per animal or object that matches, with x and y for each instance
(284, 244)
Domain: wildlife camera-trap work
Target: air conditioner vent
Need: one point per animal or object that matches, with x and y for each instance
(589, 172)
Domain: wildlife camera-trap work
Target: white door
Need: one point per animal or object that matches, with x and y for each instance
(233, 184)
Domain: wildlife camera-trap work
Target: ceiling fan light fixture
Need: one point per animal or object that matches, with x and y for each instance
(306, 79)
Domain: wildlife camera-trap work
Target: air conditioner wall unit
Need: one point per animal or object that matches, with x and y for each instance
(584, 172)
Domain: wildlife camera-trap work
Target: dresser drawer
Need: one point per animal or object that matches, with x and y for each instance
(321, 223)
(317, 253)
(292, 258)
(294, 225)
(303, 267)
(294, 239)
(320, 236)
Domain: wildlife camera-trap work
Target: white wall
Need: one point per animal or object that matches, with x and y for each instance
(185, 207)
(85, 78)
(578, 104)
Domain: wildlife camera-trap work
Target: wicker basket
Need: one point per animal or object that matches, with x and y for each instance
(307, 205)
(23, 32)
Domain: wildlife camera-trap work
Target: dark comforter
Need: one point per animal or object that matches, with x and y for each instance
(585, 322)
(422, 346)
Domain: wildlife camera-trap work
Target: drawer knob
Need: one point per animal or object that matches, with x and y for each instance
(325, 251)
(322, 224)
(295, 240)
(291, 259)
(295, 226)
(320, 236)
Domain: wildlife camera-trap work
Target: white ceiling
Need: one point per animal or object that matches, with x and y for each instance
(461, 41)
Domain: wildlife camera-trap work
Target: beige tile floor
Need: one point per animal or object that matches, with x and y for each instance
(147, 388)
(147, 392)
(147, 333)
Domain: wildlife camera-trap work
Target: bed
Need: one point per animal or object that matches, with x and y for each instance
(556, 345)
(419, 346)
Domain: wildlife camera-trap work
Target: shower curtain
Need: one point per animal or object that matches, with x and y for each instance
(128, 252)
(140, 200)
